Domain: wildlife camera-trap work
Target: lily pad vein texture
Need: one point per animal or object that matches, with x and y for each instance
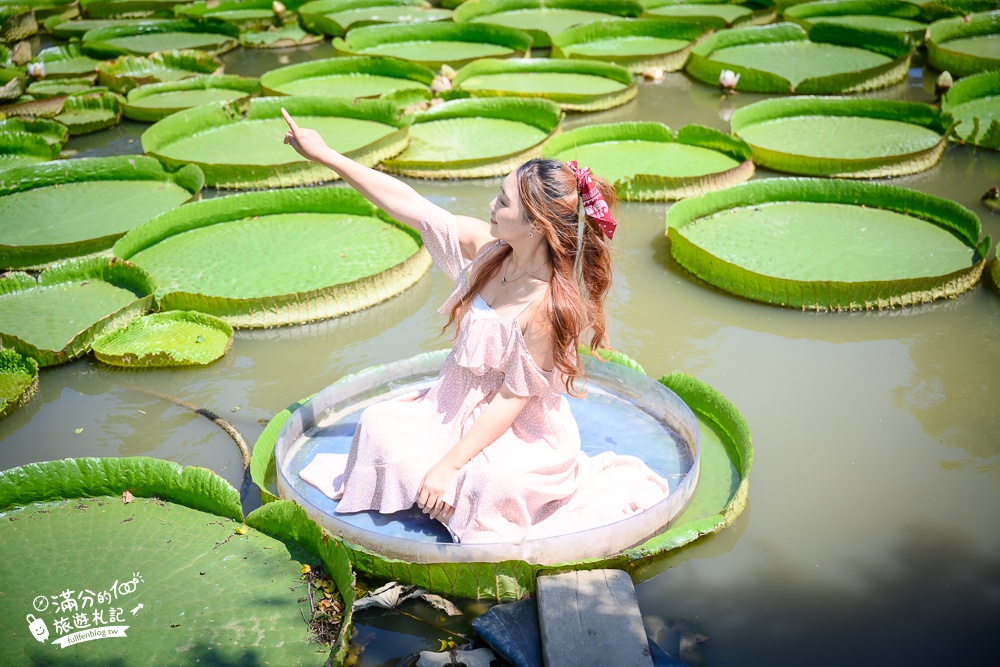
(965, 47)
(336, 17)
(476, 138)
(171, 338)
(156, 101)
(974, 101)
(636, 44)
(347, 76)
(18, 380)
(886, 15)
(126, 72)
(435, 44)
(784, 58)
(647, 162)
(56, 318)
(238, 144)
(265, 259)
(543, 19)
(71, 208)
(721, 495)
(843, 137)
(147, 37)
(829, 245)
(83, 114)
(206, 588)
(573, 85)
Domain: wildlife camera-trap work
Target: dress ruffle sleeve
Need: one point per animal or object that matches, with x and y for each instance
(439, 232)
(497, 345)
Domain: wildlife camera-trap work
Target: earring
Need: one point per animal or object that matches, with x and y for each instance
(531, 235)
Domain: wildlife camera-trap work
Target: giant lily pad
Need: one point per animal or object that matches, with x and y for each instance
(887, 15)
(18, 380)
(647, 162)
(17, 22)
(173, 338)
(155, 101)
(821, 244)
(185, 562)
(126, 72)
(66, 61)
(435, 44)
(105, 9)
(264, 259)
(144, 38)
(243, 14)
(336, 17)
(476, 138)
(53, 132)
(19, 149)
(974, 101)
(573, 85)
(843, 137)
(360, 76)
(243, 149)
(63, 29)
(76, 207)
(45, 8)
(56, 318)
(543, 19)
(62, 87)
(782, 58)
(965, 45)
(12, 83)
(83, 114)
(735, 14)
(280, 37)
(636, 44)
(725, 461)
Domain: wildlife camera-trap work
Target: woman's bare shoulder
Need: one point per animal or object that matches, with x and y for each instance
(538, 335)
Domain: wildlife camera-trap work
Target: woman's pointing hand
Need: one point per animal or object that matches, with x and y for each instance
(306, 142)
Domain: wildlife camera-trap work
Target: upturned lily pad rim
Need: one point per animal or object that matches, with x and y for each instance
(806, 10)
(108, 102)
(49, 174)
(126, 72)
(378, 65)
(200, 11)
(27, 144)
(656, 187)
(898, 48)
(296, 170)
(114, 271)
(55, 54)
(682, 29)
(248, 85)
(568, 101)
(914, 113)
(103, 346)
(968, 89)
(193, 487)
(96, 44)
(13, 361)
(962, 223)
(315, 15)
(761, 13)
(962, 64)
(277, 310)
(52, 130)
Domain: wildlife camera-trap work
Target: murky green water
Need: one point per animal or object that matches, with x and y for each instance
(872, 534)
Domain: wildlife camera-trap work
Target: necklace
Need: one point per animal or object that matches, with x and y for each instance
(504, 280)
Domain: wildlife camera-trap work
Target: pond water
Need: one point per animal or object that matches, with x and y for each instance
(872, 534)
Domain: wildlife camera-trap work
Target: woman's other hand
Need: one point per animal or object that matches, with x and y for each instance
(430, 497)
(306, 142)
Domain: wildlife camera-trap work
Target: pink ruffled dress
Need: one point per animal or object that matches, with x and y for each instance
(531, 482)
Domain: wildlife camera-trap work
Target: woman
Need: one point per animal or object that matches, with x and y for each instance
(492, 449)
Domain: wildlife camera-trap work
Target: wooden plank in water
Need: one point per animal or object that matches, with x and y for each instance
(591, 618)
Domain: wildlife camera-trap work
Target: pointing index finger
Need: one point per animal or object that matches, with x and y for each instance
(288, 119)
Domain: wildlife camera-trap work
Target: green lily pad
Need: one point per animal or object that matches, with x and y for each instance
(193, 577)
(843, 137)
(12, 83)
(476, 138)
(145, 38)
(783, 58)
(304, 254)
(18, 380)
(965, 45)
(17, 22)
(821, 244)
(351, 77)
(62, 87)
(66, 61)
(647, 162)
(336, 17)
(134, 9)
(55, 319)
(63, 29)
(435, 44)
(53, 132)
(155, 101)
(83, 114)
(83, 206)
(173, 338)
(242, 14)
(126, 72)
(573, 85)
(20, 149)
(243, 149)
(543, 19)
(734, 14)
(636, 44)
(279, 37)
(974, 101)
(886, 15)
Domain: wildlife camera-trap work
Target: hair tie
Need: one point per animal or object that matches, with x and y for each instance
(593, 201)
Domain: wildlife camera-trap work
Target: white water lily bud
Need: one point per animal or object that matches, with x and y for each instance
(447, 71)
(440, 84)
(728, 79)
(36, 70)
(278, 8)
(944, 83)
(653, 74)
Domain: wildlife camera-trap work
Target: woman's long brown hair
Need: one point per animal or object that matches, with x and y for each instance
(550, 200)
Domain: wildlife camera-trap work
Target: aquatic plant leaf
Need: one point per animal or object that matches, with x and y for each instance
(63, 87)
(53, 132)
(66, 61)
(819, 244)
(435, 44)
(126, 72)
(77, 207)
(55, 319)
(18, 380)
(336, 17)
(156, 101)
(974, 102)
(735, 15)
(17, 22)
(475, 138)
(20, 149)
(150, 37)
(64, 29)
(573, 85)
(885, 15)
(337, 254)
(843, 137)
(245, 15)
(647, 162)
(636, 44)
(965, 45)
(83, 114)
(613, 356)
(347, 76)
(543, 19)
(172, 338)
(279, 37)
